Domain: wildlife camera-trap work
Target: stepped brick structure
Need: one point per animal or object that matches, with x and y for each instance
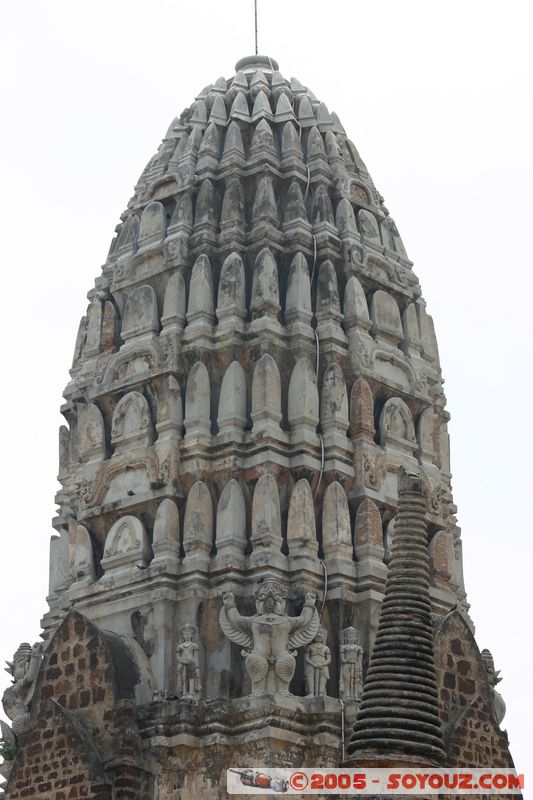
(256, 540)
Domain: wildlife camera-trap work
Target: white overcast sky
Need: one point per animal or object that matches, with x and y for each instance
(437, 96)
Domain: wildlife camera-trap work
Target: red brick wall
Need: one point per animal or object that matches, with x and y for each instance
(368, 527)
(54, 763)
(82, 715)
(472, 735)
(362, 410)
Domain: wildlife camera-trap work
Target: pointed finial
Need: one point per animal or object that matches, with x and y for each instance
(252, 63)
(256, 47)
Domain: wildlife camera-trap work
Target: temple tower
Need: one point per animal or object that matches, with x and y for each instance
(255, 427)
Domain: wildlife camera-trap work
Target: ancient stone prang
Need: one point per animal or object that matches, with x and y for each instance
(255, 370)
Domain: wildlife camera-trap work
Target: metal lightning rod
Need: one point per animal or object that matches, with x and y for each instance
(256, 48)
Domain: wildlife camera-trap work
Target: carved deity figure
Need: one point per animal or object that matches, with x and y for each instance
(269, 638)
(187, 657)
(317, 659)
(351, 666)
(17, 698)
(493, 676)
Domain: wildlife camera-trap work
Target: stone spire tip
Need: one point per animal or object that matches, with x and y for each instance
(251, 63)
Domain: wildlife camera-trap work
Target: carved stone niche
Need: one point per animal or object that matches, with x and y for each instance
(153, 226)
(385, 315)
(441, 558)
(81, 559)
(91, 434)
(131, 424)
(396, 426)
(126, 546)
(140, 313)
(369, 229)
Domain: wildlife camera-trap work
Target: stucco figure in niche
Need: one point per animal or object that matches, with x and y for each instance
(64, 451)
(188, 664)
(317, 658)
(270, 638)
(16, 700)
(143, 631)
(396, 422)
(351, 665)
(81, 558)
(493, 675)
(131, 422)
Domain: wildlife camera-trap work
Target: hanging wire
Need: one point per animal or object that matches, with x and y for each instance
(341, 701)
(325, 587)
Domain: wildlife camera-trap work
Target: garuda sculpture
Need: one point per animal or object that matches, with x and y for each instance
(17, 698)
(270, 638)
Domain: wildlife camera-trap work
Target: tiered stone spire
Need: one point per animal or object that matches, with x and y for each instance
(256, 352)
(255, 368)
(399, 714)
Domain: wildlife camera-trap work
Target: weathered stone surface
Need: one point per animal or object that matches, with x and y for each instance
(336, 527)
(265, 287)
(174, 304)
(410, 326)
(232, 214)
(334, 402)
(355, 305)
(295, 210)
(94, 327)
(291, 147)
(396, 424)
(206, 216)
(200, 310)
(264, 208)
(303, 402)
(441, 558)
(266, 516)
(231, 522)
(298, 302)
(166, 536)
(131, 424)
(386, 314)
(126, 546)
(266, 397)
(198, 524)
(368, 534)
(232, 401)
(198, 403)
(368, 228)
(140, 313)
(426, 426)
(91, 433)
(233, 146)
(81, 555)
(301, 524)
(231, 289)
(209, 151)
(183, 216)
(362, 410)
(153, 225)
